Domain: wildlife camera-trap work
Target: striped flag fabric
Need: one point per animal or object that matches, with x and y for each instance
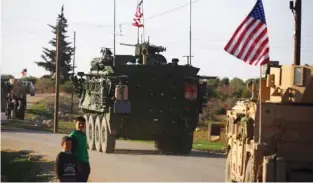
(24, 72)
(138, 15)
(250, 41)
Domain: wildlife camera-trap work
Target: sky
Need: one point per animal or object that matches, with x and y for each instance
(24, 32)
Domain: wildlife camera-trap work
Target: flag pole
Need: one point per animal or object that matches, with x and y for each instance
(143, 22)
(114, 32)
(137, 28)
(190, 32)
(260, 105)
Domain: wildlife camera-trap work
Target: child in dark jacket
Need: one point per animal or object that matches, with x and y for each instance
(66, 166)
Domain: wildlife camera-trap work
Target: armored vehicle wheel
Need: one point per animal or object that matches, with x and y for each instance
(228, 167)
(249, 173)
(107, 140)
(184, 144)
(91, 132)
(86, 118)
(181, 145)
(98, 133)
(21, 111)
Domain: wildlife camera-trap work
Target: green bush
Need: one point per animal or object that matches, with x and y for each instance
(44, 84)
(67, 87)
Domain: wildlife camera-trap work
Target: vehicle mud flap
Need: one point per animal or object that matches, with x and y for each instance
(108, 139)
(91, 132)
(268, 173)
(228, 167)
(249, 173)
(98, 133)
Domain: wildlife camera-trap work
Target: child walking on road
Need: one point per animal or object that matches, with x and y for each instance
(66, 168)
(80, 149)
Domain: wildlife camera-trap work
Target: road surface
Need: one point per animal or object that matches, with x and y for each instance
(133, 161)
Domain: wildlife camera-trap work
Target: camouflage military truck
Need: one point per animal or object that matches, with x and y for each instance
(17, 92)
(150, 99)
(278, 146)
(4, 91)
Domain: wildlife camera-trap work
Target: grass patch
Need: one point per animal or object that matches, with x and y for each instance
(208, 146)
(17, 167)
(64, 127)
(39, 109)
(197, 145)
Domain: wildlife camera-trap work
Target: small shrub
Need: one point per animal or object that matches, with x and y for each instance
(67, 87)
(44, 84)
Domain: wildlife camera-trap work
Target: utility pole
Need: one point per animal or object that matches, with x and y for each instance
(297, 11)
(57, 76)
(190, 33)
(72, 103)
(114, 31)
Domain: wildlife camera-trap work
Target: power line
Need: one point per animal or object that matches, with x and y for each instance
(155, 16)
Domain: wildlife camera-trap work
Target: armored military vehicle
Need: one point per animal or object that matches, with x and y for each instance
(273, 141)
(4, 91)
(141, 97)
(14, 90)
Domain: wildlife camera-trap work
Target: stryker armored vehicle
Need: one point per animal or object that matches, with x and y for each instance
(273, 142)
(150, 99)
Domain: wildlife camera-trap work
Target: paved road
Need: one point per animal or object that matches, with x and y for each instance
(133, 161)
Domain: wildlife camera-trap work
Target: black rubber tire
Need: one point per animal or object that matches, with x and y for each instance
(86, 116)
(249, 172)
(179, 145)
(185, 142)
(228, 167)
(98, 133)
(108, 140)
(91, 132)
(21, 111)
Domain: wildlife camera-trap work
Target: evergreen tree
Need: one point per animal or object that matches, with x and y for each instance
(66, 51)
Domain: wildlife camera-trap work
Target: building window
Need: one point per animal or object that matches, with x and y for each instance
(298, 76)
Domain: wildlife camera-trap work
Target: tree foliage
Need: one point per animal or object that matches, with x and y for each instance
(225, 81)
(237, 86)
(66, 52)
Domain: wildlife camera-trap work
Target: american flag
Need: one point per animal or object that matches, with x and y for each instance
(250, 42)
(24, 72)
(138, 16)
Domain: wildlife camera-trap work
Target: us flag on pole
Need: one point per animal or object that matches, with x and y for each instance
(250, 42)
(138, 15)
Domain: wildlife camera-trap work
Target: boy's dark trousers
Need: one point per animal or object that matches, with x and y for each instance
(84, 171)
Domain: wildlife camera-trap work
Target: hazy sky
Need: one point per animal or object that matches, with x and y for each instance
(24, 31)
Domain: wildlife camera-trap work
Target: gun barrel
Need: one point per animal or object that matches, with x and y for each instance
(124, 44)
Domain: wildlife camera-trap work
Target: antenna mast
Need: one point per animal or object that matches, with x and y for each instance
(189, 33)
(297, 10)
(114, 32)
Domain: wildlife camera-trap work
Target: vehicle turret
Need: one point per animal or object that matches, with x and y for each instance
(147, 53)
(287, 83)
